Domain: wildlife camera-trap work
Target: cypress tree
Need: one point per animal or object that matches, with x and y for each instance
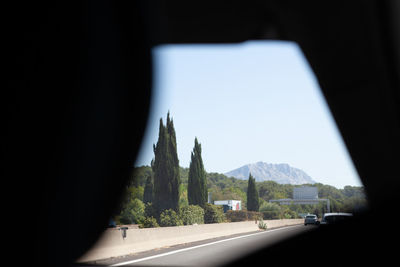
(252, 195)
(159, 169)
(197, 183)
(173, 165)
(148, 190)
(166, 169)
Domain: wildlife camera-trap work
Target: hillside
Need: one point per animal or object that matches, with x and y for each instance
(221, 187)
(281, 173)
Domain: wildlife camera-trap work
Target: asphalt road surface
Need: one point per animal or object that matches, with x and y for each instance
(211, 252)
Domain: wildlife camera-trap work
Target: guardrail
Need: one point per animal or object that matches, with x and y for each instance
(122, 241)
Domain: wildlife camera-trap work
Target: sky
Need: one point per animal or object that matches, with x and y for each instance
(249, 102)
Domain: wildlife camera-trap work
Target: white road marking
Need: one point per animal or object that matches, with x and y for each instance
(199, 246)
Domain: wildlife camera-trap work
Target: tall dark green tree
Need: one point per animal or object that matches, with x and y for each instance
(197, 183)
(166, 169)
(173, 163)
(253, 203)
(148, 190)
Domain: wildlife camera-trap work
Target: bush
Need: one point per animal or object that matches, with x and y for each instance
(213, 214)
(262, 225)
(271, 211)
(149, 210)
(289, 214)
(242, 215)
(254, 215)
(133, 212)
(192, 214)
(236, 215)
(271, 215)
(170, 218)
(149, 222)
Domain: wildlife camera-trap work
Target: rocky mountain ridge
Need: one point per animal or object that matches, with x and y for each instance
(281, 173)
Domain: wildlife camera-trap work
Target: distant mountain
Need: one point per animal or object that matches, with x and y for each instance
(281, 173)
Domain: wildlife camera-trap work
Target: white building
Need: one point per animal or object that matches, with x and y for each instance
(229, 204)
(303, 195)
(305, 192)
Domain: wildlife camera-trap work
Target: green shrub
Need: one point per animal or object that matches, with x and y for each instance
(213, 213)
(170, 218)
(271, 211)
(150, 211)
(133, 213)
(149, 222)
(192, 214)
(271, 215)
(236, 215)
(289, 214)
(262, 225)
(242, 215)
(254, 215)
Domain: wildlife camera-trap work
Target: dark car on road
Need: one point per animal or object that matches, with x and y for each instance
(311, 219)
(334, 218)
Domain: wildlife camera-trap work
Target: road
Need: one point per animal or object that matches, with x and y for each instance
(212, 252)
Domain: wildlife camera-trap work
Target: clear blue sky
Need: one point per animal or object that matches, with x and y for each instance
(250, 102)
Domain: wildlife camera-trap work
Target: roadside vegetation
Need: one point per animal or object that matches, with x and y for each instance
(165, 194)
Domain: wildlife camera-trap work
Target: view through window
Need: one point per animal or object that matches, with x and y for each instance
(237, 133)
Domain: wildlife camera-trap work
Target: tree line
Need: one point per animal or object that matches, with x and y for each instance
(156, 195)
(165, 194)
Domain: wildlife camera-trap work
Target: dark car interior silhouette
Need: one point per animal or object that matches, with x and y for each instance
(77, 97)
